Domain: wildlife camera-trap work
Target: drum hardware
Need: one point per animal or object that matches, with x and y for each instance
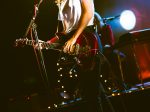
(138, 67)
(121, 70)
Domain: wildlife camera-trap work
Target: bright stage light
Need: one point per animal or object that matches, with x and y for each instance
(127, 20)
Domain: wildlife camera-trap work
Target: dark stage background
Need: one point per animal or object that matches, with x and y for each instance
(19, 70)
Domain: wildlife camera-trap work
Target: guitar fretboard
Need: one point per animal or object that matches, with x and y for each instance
(44, 44)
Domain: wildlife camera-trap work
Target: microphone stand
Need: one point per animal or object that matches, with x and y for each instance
(32, 26)
(105, 21)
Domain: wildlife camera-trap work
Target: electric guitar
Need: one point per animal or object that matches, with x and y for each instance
(54, 46)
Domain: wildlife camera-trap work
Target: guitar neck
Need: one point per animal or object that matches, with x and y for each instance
(30, 42)
(44, 44)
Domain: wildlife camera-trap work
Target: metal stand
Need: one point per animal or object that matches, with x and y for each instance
(121, 71)
(32, 26)
(137, 64)
(43, 70)
(105, 21)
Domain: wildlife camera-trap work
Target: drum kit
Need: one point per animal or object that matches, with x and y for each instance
(135, 69)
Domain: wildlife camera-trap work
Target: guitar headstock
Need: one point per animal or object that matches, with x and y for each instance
(21, 42)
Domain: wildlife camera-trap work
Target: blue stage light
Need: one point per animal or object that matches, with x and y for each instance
(127, 20)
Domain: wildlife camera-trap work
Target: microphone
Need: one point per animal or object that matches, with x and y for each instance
(111, 18)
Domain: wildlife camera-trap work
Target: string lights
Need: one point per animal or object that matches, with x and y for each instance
(67, 67)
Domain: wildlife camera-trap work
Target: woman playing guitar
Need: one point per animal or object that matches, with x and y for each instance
(79, 40)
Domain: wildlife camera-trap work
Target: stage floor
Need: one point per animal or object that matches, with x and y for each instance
(135, 99)
(136, 88)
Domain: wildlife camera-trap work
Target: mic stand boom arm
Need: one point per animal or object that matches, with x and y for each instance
(36, 8)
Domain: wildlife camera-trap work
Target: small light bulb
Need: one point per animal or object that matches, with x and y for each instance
(113, 94)
(55, 105)
(70, 72)
(63, 58)
(130, 91)
(71, 76)
(63, 103)
(109, 88)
